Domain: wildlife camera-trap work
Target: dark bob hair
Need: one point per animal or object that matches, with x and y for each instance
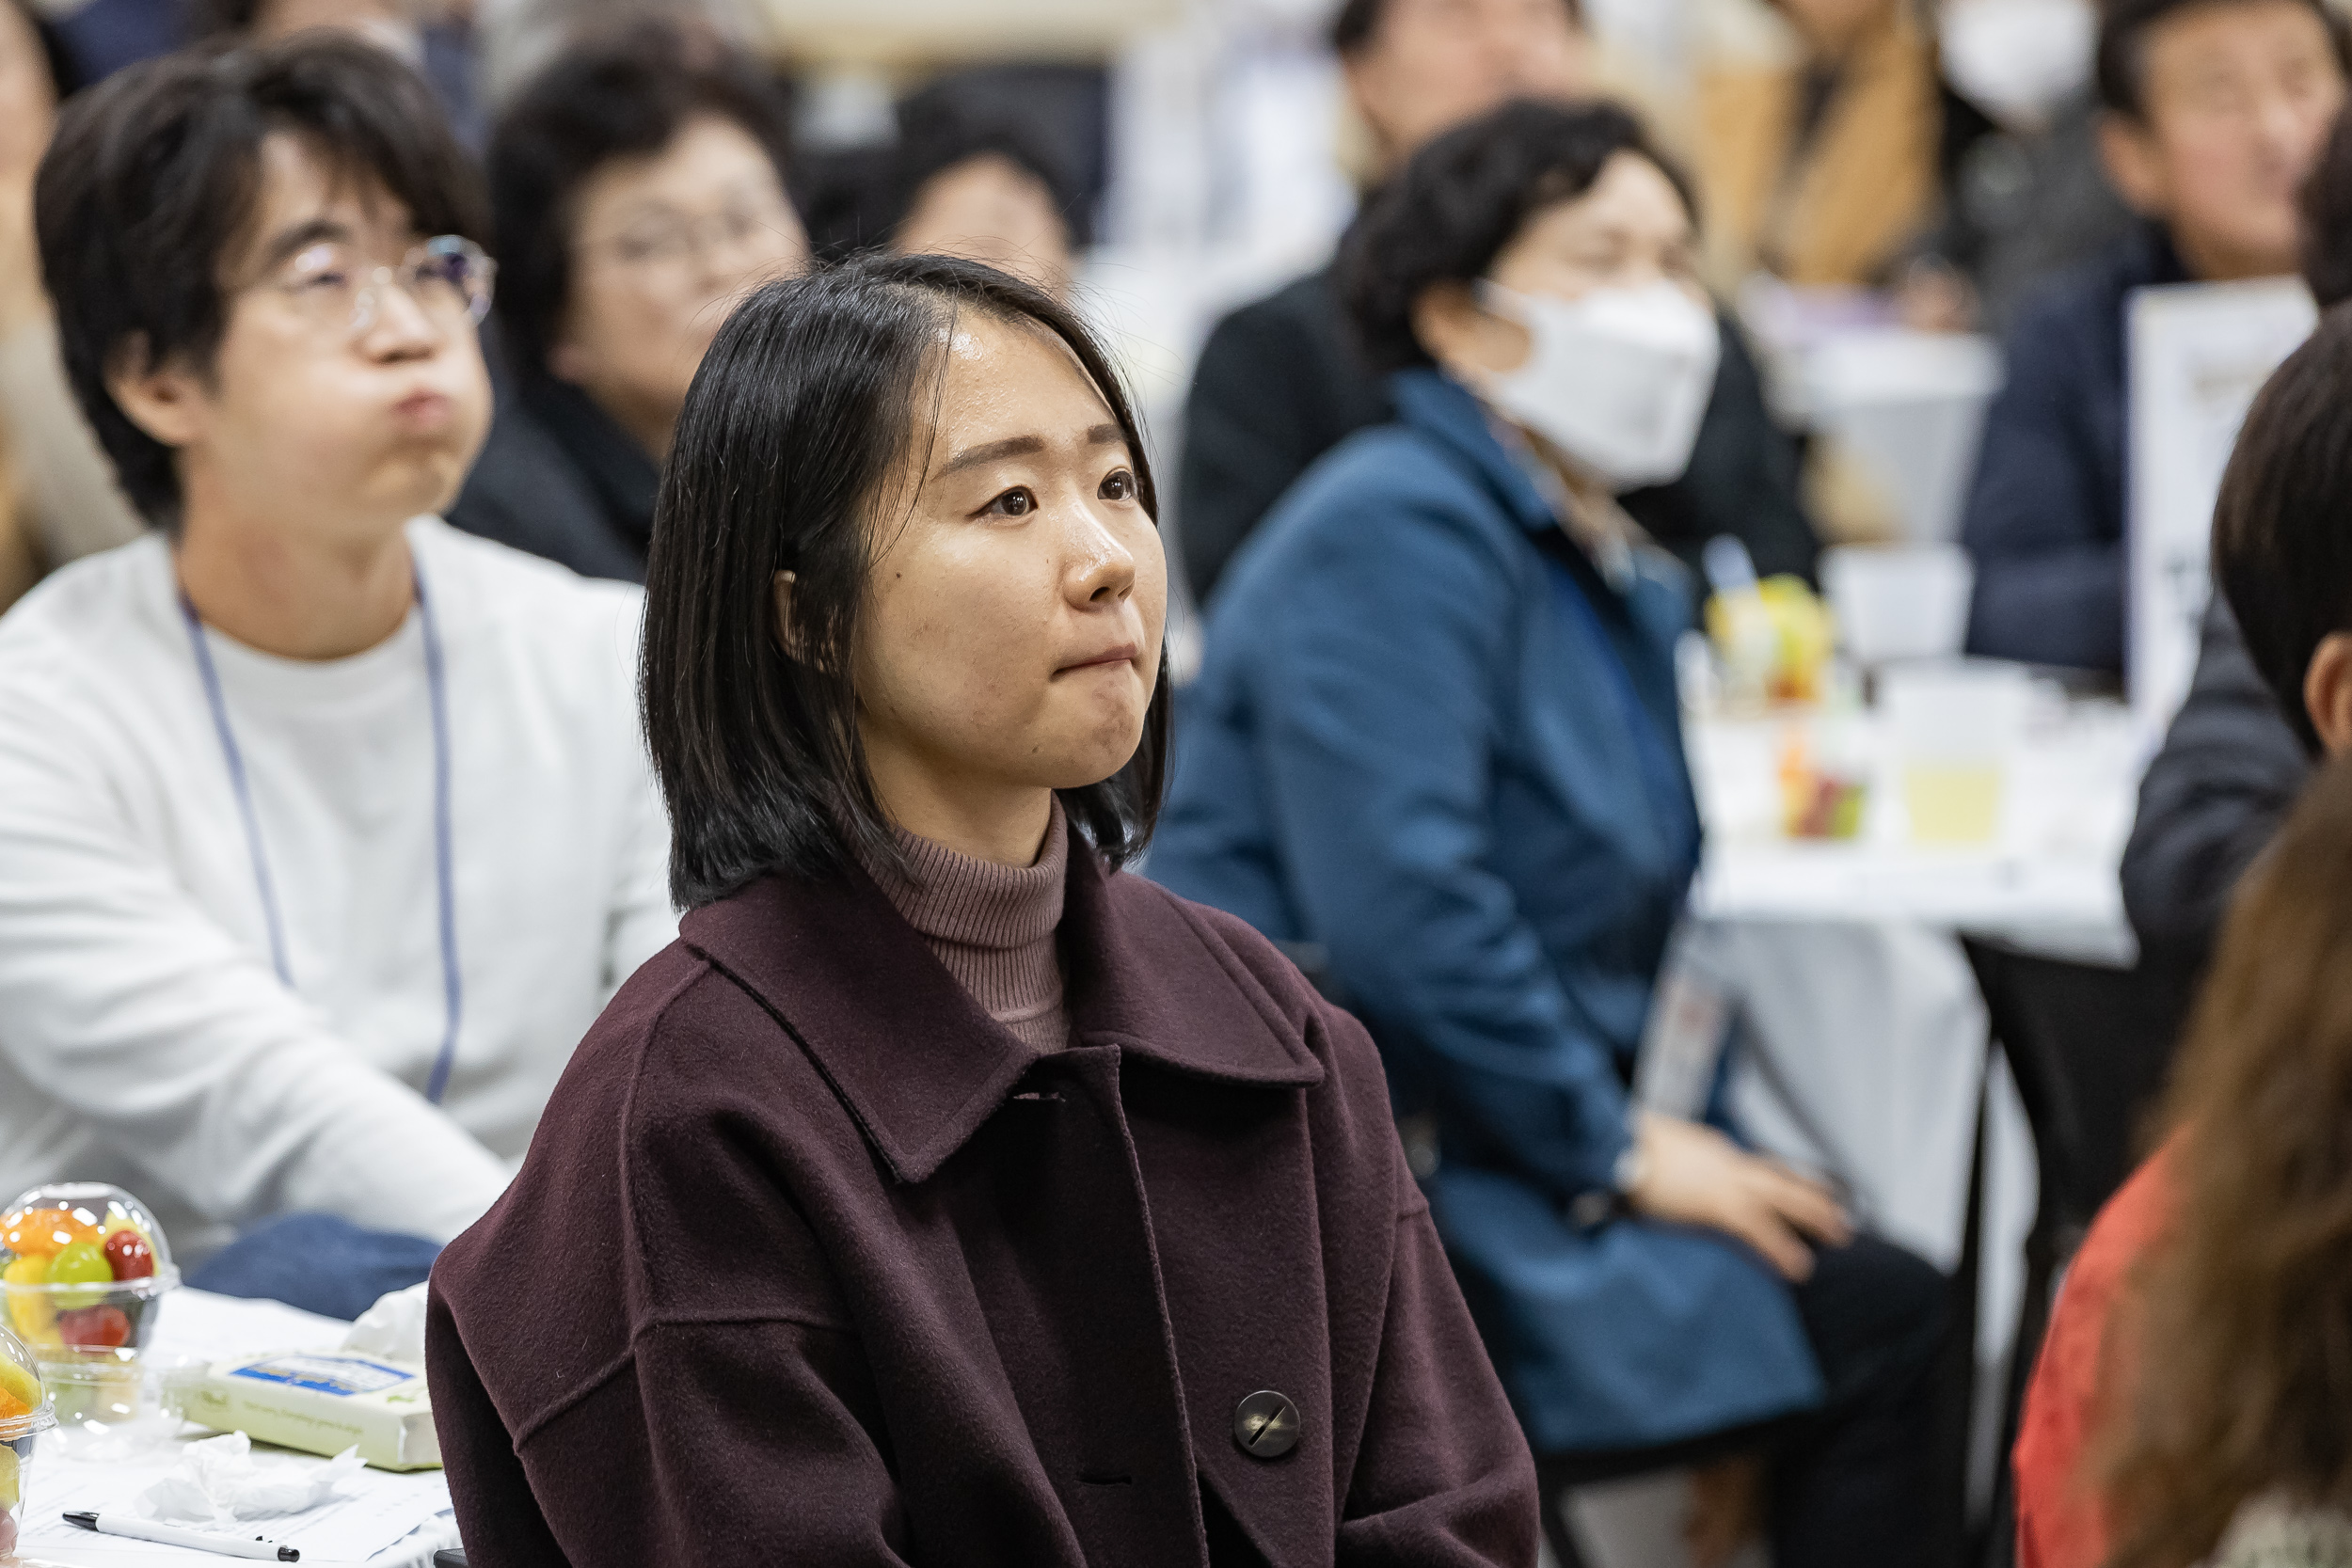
(2281, 551)
(1450, 211)
(623, 92)
(792, 434)
(2124, 25)
(153, 184)
(1353, 27)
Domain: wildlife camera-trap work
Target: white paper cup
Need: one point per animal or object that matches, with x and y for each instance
(1899, 602)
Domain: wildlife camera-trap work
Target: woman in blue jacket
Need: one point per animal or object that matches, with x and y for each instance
(1436, 734)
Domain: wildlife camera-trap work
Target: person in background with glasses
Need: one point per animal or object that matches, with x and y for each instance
(324, 830)
(639, 190)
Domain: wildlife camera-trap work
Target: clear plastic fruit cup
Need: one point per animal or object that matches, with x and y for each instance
(83, 1269)
(24, 1415)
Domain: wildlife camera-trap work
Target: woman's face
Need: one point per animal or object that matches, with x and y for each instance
(1630, 230)
(1011, 637)
(990, 208)
(664, 249)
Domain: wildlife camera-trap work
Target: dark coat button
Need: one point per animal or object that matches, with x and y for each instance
(1266, 1425)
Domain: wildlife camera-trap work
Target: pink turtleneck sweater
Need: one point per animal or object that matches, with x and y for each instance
(991, 927)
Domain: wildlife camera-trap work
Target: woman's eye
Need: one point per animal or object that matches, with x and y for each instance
(1119, 485)
(1012, 503)
(316, 280)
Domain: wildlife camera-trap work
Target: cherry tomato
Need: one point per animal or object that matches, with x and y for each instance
(129, 1256)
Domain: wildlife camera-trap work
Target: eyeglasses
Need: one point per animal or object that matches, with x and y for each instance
(670, 242)
(447, 278)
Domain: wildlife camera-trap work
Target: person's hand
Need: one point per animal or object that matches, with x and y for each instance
(1935, 296)
(1693, 1175)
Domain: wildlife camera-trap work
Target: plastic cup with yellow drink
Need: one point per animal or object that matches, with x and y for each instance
(24, 1415)
(1958, 727)
(83, 1269)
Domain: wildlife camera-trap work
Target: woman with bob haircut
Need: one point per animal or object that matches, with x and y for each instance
(1436, 734)
(947, 1195)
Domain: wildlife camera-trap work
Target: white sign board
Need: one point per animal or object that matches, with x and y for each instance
(2198, 354)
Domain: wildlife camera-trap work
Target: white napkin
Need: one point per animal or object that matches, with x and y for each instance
(217, 1482)
(393, 1328)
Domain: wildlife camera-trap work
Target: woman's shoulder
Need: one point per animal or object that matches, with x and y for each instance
(1389, 471)
(1389, 511)
(647, 1193)
(1261, 970)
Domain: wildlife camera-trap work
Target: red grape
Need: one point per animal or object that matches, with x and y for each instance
(129, 1256)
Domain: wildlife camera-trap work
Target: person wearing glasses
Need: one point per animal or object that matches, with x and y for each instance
(637, 187)
(325, 829)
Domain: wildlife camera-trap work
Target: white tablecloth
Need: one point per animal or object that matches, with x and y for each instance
(97, 1468)
(1868, 1034)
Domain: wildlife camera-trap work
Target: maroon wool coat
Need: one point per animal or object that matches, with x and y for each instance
(812, 1263)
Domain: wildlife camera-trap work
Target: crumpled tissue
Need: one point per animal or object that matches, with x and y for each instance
(217, 1482)
(393, 1328)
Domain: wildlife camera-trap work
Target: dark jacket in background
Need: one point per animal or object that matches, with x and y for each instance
(1280, 384)
(2020, 209)
(560, 479)
(1432, 737)
(2230, 771)
(2045, 518)
(813, 1263)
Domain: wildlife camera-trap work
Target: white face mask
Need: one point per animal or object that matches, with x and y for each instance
(2018, 59)
(1618, 380)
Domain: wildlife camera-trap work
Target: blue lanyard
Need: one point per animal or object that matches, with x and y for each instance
(437, 685)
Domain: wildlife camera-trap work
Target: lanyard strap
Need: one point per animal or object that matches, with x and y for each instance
(436, 687)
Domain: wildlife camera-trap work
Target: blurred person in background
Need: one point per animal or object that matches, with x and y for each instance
(638, 186)
(58, 499)
(324, 830)
(2024, 194)
(1821, 169)
(2232, 1436)
(1437, 734)
(417, 31)
(1281, 381)
(961, 181)
(2230, 766)
(2215, 113)
(2283, 568)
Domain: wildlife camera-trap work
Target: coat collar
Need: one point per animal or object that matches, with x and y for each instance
(1441, 408)
(919, 1064)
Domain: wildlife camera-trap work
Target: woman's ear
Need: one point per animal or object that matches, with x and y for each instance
(2328, 692)
(166, 401)
(1468, 340)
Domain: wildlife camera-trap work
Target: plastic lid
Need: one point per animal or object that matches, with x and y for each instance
(23, 1399)
(94, 1227)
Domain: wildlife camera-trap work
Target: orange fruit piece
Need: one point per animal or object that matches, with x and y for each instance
(44, 1232)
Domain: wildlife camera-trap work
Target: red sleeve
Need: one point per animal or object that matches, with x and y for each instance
(2060, 1521)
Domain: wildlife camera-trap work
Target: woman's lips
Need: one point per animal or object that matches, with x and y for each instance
(1124, 653)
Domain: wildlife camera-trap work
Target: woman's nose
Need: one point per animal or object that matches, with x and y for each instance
(1102, 568)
